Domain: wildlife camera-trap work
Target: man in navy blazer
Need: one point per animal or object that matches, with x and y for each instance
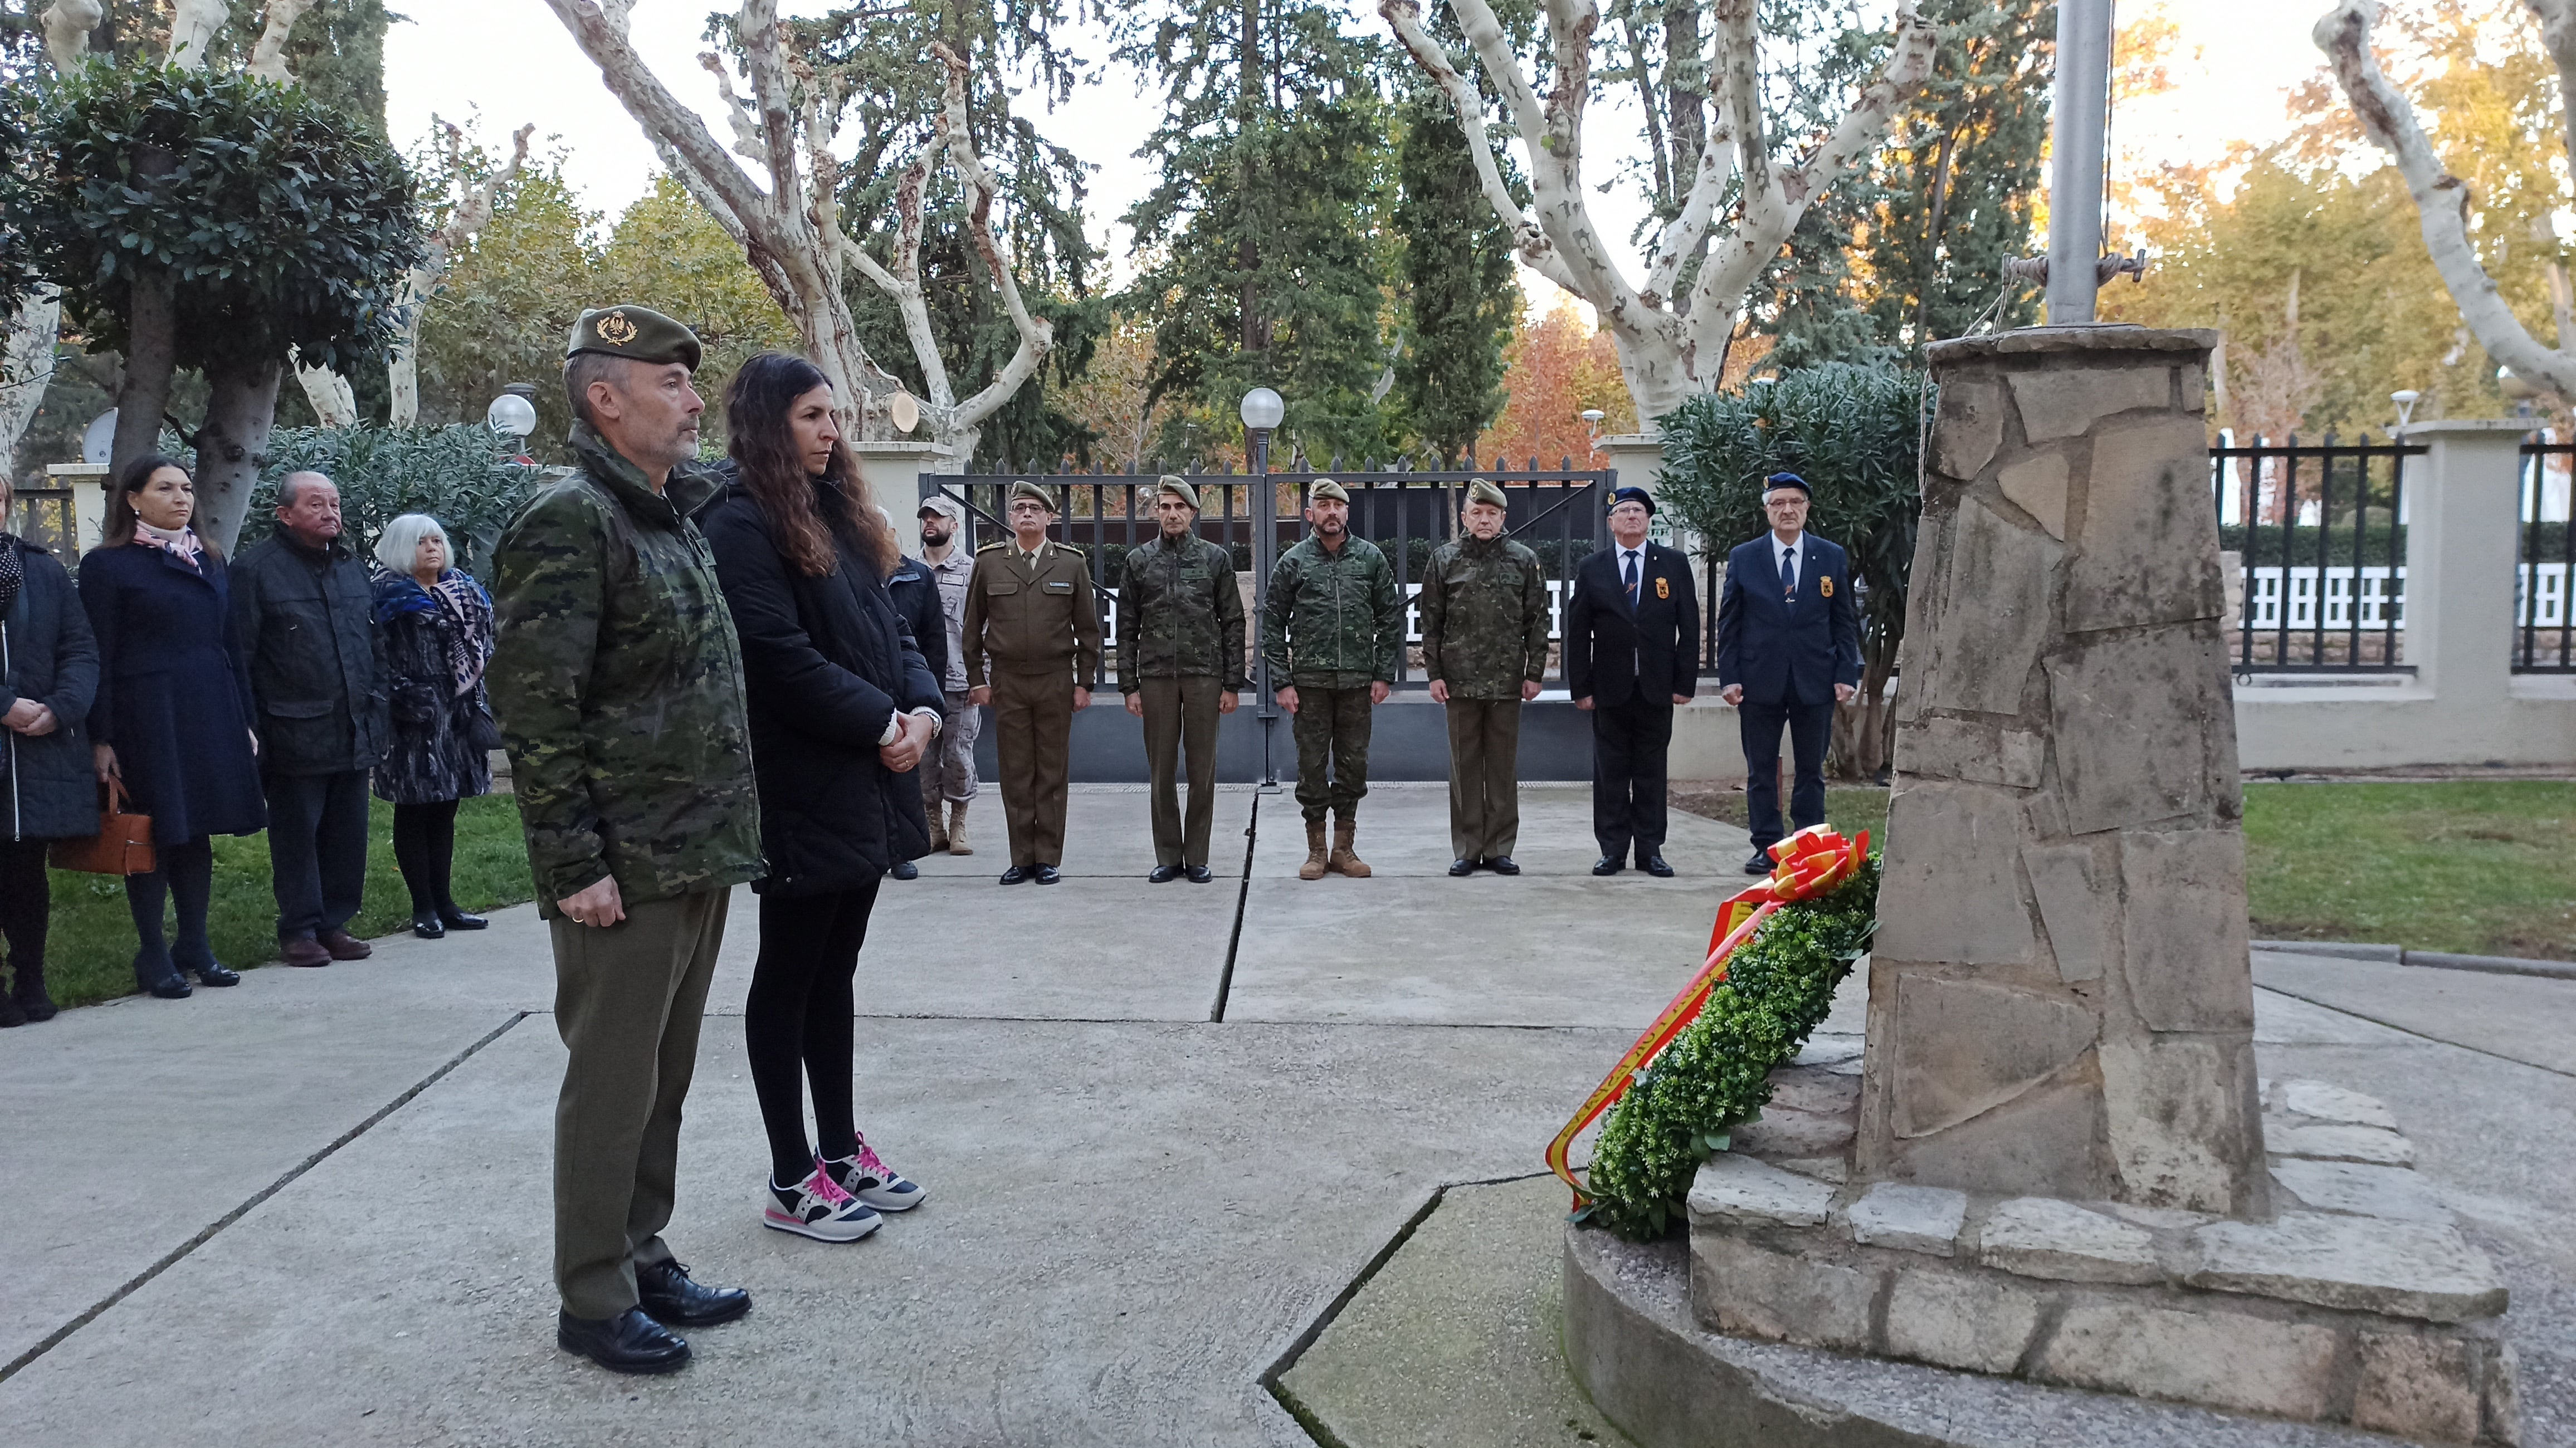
(1788, 651)
(1631, 654)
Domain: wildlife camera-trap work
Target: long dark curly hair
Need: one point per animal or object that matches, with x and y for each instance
(757, 403)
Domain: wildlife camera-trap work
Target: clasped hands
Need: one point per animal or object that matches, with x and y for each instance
(30, 718)
(1733, 694)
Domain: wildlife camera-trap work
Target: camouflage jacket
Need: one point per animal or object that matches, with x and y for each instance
(618, 683)
(1179, 612)
(1484, 618)
(1333, 620)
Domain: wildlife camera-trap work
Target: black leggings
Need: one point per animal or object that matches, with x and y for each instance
(425, 850)
(26, 899)
(800, 1014)
(187, 875)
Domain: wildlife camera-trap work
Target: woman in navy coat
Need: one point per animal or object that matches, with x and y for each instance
(172, 717)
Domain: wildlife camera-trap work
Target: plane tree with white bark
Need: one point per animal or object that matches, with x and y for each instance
(1671, 325)
(2444, 203)
(783, 206)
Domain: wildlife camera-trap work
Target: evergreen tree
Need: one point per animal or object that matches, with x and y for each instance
(1268, 232)
(1460, 296)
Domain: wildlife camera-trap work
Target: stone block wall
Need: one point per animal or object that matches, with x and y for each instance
(2061, 1003)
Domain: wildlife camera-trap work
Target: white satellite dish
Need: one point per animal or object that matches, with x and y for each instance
(903, 411)
(98, 441)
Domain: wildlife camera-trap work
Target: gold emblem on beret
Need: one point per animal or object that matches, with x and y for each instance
(616, 330)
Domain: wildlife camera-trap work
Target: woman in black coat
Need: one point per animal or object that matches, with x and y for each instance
(48, 675)
(841, 706)
(172, 716)
(437, 623)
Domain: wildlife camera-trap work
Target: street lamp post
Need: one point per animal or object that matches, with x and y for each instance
(1262, 411)
(513, 415)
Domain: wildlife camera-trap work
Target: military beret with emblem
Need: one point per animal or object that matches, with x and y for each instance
(1178, 488)
(1777, 481)
(639, 334)
(1481, 491)
(1631, 495)
(1326, 488)
(1023, 488)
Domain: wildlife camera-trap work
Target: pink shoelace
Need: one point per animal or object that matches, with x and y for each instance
(820, 1185)
(871, 1163)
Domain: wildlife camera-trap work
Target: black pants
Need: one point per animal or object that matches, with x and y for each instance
(1628, 745)
(425, 851)
(798, 1021)
(185, 873)
(317, 849)
(26, 899)
(1811, 726)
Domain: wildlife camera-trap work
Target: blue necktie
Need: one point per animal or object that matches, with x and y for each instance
(1632, 578)
(1789, 572)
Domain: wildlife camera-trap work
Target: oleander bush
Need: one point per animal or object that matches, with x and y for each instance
(1715, 1076)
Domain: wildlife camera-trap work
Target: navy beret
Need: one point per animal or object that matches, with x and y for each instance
(1630, 495)
(1786, 480)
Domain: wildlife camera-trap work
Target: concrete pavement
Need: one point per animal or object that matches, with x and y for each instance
(313, 1209)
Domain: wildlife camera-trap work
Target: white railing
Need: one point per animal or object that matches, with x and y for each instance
(2326, 597)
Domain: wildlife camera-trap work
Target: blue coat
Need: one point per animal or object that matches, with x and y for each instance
(1788, 650)
(49, 656)
(173, 693)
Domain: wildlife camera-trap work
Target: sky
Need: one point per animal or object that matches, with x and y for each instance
(504, 63)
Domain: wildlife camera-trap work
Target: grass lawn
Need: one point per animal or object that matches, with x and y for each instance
(89, 955)
(2476, 866)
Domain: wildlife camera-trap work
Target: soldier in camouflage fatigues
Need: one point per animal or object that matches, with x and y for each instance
(1180, 664)
(1331, 627)
(618, 683)
(1484, 648)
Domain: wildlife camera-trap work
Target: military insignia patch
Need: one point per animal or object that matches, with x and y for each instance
(616, 329)
(1825, 585)
(1663, 588)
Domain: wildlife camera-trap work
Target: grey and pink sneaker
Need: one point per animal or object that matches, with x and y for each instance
(867, 1177)
(817, 1207)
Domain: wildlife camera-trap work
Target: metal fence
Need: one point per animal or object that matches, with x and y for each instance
(1556, 511)
(2321, 533)
(2544, 634)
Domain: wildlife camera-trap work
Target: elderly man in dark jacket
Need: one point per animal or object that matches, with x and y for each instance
(306, 614)
(48, 676)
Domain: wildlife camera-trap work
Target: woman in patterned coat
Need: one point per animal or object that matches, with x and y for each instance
(438, 637)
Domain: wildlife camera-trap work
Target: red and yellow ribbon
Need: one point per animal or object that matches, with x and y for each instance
(1808, 863)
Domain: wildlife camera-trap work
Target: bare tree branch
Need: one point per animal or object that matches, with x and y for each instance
(2441, 199)
(1037, 338)
(67, 27)
(1528, 237)
(471, 213)
(268, 57)
(193, 24)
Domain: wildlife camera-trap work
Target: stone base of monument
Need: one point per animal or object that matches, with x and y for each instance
(2359, 1303)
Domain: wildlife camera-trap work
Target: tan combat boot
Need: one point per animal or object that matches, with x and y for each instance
(938, 828)
(1344, 861)
(957, 829)
(1313, 869)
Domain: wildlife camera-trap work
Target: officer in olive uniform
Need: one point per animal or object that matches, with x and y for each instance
(1331, 627)
(1032, 644)
(1180, 664)
(1484, 648)
(618, 683)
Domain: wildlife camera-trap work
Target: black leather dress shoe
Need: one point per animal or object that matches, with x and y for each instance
(1605, 866)
(1654, 865)
(1015, 875)
(630, 1342)
(905, 870)
(670, 1296)
(428, 926)
(1045, 874)
(1502, 865)
(214, 973)
(176, 988)
(1164, 874)
(455, 919)
(1760, 864)
(1460, 869)
(1201, 874)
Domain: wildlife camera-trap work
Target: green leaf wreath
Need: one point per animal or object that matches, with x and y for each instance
(1715, 1076)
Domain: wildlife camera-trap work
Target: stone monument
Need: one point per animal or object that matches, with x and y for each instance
(2049, 1163)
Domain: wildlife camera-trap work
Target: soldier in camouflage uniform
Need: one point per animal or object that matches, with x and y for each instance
(618, 683)
(1180, 664)
(1484, 648)
(1331, 627)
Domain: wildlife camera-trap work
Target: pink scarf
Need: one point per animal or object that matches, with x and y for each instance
(181, 543)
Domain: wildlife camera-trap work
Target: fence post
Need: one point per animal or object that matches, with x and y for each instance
(2462, 503)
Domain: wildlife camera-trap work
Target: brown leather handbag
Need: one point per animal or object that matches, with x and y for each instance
(124, 842)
